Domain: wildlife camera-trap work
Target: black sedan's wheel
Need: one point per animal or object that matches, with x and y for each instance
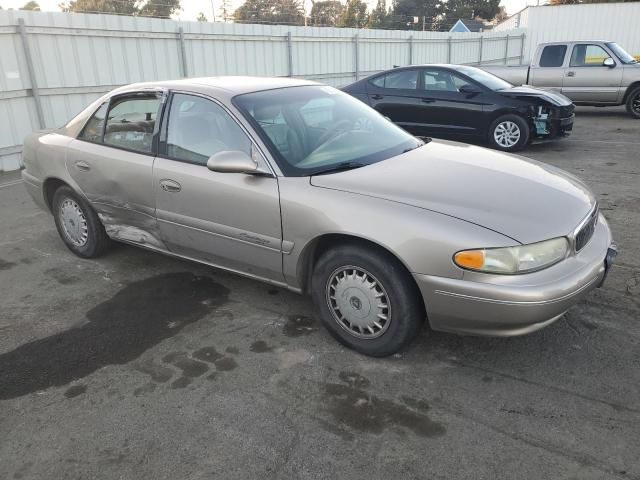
(78, 225)
(509, 133)
(367, 300)
(633, 103)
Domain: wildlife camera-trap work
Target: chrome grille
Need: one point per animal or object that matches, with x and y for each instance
(585, 232)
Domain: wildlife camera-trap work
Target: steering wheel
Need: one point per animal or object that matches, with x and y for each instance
(342, 125)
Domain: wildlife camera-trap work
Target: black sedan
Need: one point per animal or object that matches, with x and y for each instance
(463, 101)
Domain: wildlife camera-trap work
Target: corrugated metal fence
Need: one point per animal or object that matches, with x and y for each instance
(54, 64)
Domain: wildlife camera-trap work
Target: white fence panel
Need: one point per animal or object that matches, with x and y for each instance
(77, 57)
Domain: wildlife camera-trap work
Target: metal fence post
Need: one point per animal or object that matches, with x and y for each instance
(480, 52)
(183, 53)
(289, 54)
(355, 56)
(449, 40)
(506, 49)
(522, 48)
(31, 71)
(410, 49)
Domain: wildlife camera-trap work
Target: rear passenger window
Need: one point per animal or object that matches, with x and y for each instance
(403, 79)
(553, 56)
(131, 122)
(199, 128)
(92, 131)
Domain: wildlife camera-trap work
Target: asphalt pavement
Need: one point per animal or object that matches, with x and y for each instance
(140, 366)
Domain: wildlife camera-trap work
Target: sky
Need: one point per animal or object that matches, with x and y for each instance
(191, 8)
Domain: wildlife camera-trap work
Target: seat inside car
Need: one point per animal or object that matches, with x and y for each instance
(286, 140)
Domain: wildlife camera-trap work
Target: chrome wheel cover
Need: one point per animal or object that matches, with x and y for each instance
(358, 302)
(73, 222)
(507, 134)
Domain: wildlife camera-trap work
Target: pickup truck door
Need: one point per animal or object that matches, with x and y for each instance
(549, 69)
(587, 80)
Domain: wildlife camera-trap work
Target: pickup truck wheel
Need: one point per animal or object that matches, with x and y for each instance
(367, 300)
(78, 224)
(633, 103)
(509, 133)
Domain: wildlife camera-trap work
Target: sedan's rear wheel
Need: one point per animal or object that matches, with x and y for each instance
(509, 133)
(367, 300)
(78, 225)
(633, 103)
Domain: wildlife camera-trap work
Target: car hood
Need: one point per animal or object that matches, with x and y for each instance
(526, 200)
(550, 96)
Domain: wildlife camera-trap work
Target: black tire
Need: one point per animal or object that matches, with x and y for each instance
(406, 312)
(633, 103)
(509, 120)
(97, 242)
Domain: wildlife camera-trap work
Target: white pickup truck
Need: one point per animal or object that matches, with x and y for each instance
(596, 73)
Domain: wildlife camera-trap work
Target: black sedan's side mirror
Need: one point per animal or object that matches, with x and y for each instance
(469, 89)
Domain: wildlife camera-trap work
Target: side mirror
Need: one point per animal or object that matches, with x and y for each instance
(469, 89)
(608, 62)
(232, 161)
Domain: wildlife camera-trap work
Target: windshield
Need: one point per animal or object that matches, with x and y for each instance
(485, 78)
(312, 129)
(621, 53)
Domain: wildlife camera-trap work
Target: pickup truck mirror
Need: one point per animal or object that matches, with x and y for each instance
(469, 89)
(608, 62)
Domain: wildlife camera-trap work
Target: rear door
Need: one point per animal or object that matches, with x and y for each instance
(112, 163)
(587, 79)
(548, 70)
(395, 95)
(228, 219)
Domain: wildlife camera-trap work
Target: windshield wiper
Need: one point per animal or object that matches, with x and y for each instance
(423, 141)
(339, 167)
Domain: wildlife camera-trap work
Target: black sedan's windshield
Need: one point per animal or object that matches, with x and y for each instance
(484, 78)
(312, 129)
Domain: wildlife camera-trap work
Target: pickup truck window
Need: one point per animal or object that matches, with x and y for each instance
(621, 53)
(587, 55)
(553, 55)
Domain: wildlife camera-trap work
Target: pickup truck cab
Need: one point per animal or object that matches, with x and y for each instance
(598, 73)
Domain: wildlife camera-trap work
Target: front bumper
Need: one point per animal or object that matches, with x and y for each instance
(507, 305)
(554, 127)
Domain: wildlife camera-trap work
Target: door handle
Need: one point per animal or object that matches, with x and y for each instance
(84, 166)
(170, 186)
(571, 74)
(377, 96)
(428, 100)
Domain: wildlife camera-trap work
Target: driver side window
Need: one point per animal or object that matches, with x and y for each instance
(198, 128)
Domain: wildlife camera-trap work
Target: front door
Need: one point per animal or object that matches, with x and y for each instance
(586, 79)
(444, 109)
(112, 165)
(231, 220)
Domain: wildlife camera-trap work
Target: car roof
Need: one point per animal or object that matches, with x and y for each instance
(228, 86)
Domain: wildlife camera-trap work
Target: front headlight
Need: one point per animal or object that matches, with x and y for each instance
(520, 259)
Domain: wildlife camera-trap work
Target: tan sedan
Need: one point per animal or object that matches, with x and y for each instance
(302, 186)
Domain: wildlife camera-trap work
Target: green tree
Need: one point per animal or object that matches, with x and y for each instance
(379, 16)
(354, 15)
(285, 12)
(150, 8)
(201, 18)
(453, 10)
(403, 13)
(159, 8)
(326, 12)
(33, 6)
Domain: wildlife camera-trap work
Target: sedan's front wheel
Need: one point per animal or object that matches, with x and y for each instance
(367, 300)
(509, 133)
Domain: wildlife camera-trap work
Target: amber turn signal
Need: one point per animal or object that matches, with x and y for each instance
(473, 259)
